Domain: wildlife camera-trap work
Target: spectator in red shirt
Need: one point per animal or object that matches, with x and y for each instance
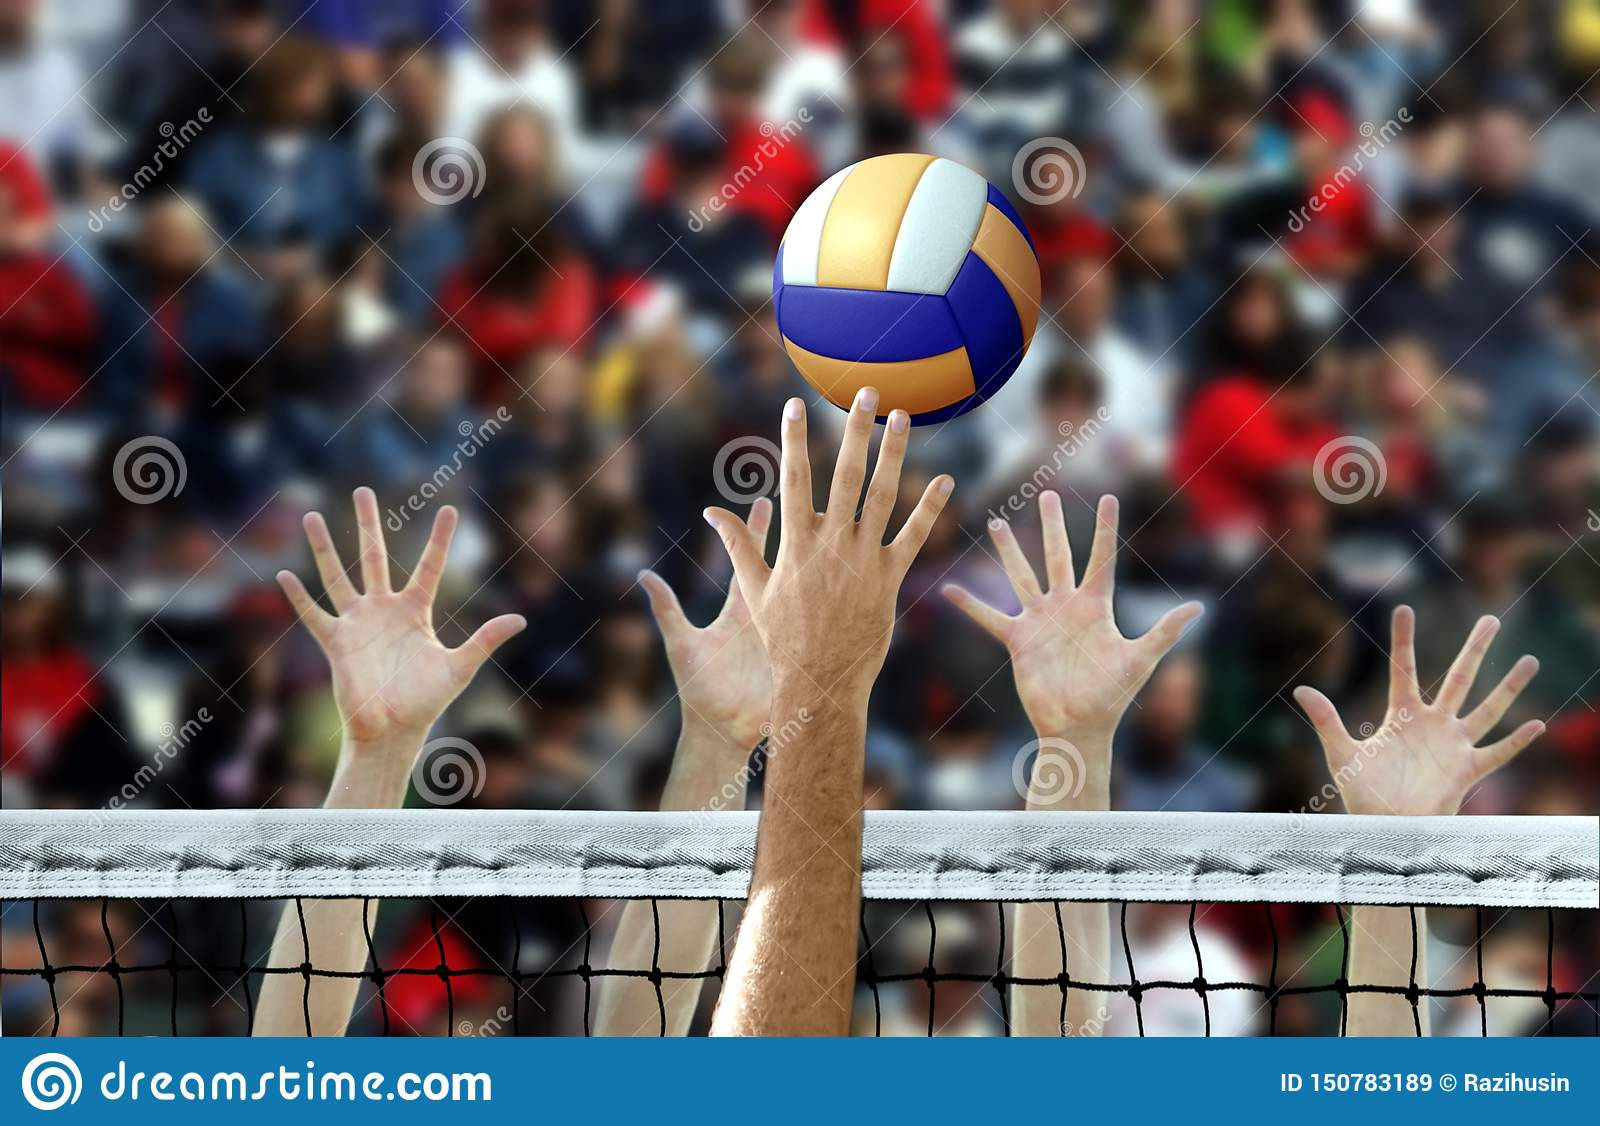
(46, 319)
(522, 288)
(1256, 421)
(768, 169)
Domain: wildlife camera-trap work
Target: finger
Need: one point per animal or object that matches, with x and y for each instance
(430, 568)
(919, 525)
(1482, 719)
(1464, 669)
(1057, 548)
(1487, 760)
(1403, 686)
(757, 525)
(664, 606)
(1100, 574)
(996, 624)
(1325, 719)
(748, 566)
(885, 487)
(760, 522)
(312, 616)
(374, 555)
(851, 467)
(795, 488)
(1016, 564)
(341, 592)
(1162, 636)
(470, 655)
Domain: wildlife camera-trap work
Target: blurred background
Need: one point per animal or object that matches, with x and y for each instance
(1322, 307)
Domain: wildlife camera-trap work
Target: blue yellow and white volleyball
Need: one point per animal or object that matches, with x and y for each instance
(912, 274)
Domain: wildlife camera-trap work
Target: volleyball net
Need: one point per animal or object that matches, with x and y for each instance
(503, 923)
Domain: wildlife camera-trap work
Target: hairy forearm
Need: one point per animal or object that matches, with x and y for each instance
(793, 967)
(369, 776)
(1381, 953)
(709, 772)
(1070, 782)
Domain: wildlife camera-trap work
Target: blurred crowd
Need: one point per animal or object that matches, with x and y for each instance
(1322, 307)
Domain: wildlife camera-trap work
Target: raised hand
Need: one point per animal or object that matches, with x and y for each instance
(1076, 675)
(723, 679)
(1075, 672)
(392, 677)
(1425, 757)
(825, 609)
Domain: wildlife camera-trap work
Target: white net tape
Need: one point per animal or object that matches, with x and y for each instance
(1176, 857)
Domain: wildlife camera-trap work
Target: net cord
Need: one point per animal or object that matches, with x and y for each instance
(1085, 857)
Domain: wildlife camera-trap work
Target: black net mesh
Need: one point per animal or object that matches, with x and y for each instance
(514, 966)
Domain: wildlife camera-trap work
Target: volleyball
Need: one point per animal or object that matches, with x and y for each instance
(912, 274)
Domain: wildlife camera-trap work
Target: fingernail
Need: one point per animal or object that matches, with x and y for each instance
(711, 518)
(794, 410)
(898, 421)
(945, 486)
(995, 523)
(867, 398)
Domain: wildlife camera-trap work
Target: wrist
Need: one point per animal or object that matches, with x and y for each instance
(374, 773)
(702, 738)
(1072, 769)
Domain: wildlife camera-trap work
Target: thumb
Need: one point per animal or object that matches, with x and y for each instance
(472, 653)
(1325, 719)
(748, 565)
(664, 605)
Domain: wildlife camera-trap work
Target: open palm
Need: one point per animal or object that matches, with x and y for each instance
(1075, 672)
(723, 676)
(1425, 757)
(391, 674)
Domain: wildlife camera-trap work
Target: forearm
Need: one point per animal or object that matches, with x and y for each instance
(1083, 928)
(1383, 946)
(793, 967)
(709, 772)
(367, 777)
